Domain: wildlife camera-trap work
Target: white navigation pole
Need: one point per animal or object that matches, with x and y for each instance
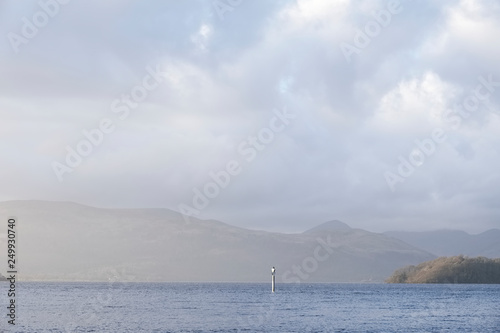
(273, 275)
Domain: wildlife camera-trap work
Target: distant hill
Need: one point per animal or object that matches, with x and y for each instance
(458, 269)
(335, 225)
(453, 242)
(69, 241)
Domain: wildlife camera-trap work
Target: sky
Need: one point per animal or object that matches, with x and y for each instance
(273, 115)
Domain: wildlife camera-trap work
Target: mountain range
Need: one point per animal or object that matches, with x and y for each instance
(64, 241)
(453, 242)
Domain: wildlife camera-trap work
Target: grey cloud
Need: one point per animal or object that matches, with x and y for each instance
(224, 78)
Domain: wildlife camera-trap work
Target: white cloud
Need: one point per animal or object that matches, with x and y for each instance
(223, 80)
(415, 105)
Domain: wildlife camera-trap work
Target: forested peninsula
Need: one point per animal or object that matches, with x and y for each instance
(458, 269)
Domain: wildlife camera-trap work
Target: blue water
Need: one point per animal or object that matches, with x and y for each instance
(171, 307)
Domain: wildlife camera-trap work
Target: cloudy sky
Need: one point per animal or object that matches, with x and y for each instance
(275, 115)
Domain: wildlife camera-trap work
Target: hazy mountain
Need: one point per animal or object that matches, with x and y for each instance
(68, 241)
(335, 225)
(453, 242)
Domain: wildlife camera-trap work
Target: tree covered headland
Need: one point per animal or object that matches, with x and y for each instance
(459, 269)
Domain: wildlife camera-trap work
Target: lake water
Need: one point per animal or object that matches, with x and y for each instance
(176, 307)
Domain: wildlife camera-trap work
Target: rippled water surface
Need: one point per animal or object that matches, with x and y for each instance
(175, 307)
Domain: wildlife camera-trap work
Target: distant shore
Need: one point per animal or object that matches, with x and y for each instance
(458, 269)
